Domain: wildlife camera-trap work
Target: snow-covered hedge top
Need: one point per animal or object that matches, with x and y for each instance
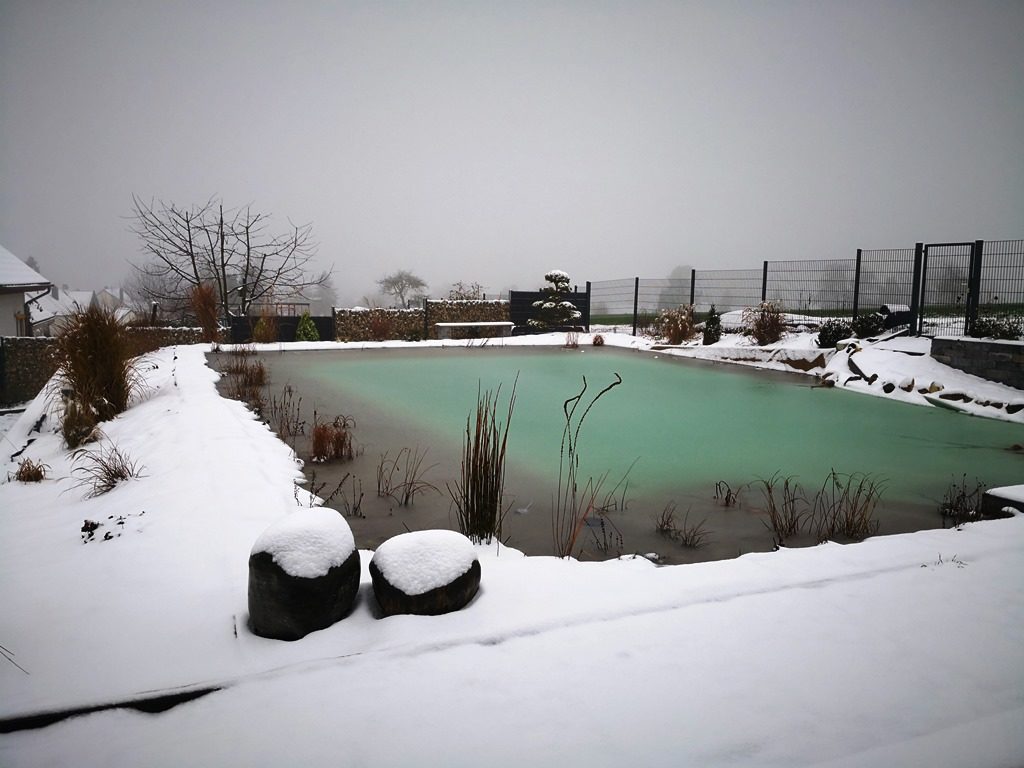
(557, 276)
(309, 542)
(420, 561)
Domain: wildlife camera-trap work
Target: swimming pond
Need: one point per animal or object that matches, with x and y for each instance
(673, 427)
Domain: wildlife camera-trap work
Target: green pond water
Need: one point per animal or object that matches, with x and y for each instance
(685, 424)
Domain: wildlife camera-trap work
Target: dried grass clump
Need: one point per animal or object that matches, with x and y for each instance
(764, 322)
(380, 326)
(961, 503)
(101, 470)
(477, 494)
(598, 340)
(685, 533)
(409, 483)
(332, 440)
(677, 325)
(97, 372)
(843, 507)
(31, 471)
(785, 517)
(204, 303)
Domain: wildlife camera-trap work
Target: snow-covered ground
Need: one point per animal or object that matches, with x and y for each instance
(902, 650)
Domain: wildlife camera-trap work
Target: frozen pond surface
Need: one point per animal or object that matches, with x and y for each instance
(681, 425)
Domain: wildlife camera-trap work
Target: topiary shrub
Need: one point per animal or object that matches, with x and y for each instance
(833, 331)
(677, 325)
(554, 311)
(868, 325)
(997, 328)
(712, 326)
(265, 330)
(764, 322)
(306, 330)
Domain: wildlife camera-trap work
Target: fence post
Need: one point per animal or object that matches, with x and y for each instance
(856, 286)
(915, 290)
(974, 286)
(636, 300)
(588, 306)
(693, 285)
(426, 320)
(764, 283)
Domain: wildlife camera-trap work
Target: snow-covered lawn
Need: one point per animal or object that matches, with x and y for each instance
(902, 650)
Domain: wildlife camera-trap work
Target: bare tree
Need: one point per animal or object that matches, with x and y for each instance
(403, 285)
(234, 250)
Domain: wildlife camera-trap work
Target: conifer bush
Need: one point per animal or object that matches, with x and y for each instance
(712, 327)
(868, 325)
(306, 330)
(832, 332)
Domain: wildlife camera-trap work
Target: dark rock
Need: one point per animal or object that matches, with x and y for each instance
(444, 599)
(888, 387)
(286, 607)
(443, 561)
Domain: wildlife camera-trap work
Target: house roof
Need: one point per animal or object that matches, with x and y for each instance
(18, 277)
(46, 307)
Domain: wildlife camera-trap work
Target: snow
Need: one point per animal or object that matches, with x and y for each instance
(419, 561)
(308, 542)
(901, 650)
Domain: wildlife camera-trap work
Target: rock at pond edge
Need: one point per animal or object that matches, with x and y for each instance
(286, 607)
(444, 599)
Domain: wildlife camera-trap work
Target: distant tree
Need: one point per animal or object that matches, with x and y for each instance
(461, 291)
(234, 250)
(403, 285)
(678, 289)
(323, 298)
(31, 263)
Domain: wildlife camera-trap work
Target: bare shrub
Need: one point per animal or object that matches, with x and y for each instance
(677, 325)
(477, 494)
(96, 369)
(101, 470)
(572, 339)
(31, 471)
(285, 414)
(607, 537)
(598, 340)
(764, 322)
(204, 303)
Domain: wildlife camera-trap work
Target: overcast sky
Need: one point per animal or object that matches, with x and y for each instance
(490, 142)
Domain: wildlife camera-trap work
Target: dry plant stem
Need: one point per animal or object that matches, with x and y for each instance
(412, 471)
(571, 506)
(786, 519)
(477, 495)
(616, 499)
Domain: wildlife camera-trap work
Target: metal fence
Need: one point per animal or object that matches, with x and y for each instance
(932, 289)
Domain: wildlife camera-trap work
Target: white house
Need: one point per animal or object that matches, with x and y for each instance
(16, 280)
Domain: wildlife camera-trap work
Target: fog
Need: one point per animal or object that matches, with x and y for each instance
(490, 142)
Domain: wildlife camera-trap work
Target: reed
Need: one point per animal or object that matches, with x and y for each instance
(477, 494)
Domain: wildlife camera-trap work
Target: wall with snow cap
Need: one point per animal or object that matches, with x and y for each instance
(1001, 361)
(361, 324)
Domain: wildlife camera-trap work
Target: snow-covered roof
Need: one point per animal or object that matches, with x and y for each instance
(16, 276)
(68, 303)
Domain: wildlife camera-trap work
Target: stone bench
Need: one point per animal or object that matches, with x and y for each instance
(503, 327)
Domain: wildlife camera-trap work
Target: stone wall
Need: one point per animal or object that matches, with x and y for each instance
(26, 363)
(411, 324)
(378, 324)
(1001, 361)
(447, 311)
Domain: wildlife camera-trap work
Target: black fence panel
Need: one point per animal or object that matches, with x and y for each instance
(1001, 281)
(727, 289)
(521, 309)
(945, 289)
(886, 284)
(241, 328)
(611, 301)
(822, 288)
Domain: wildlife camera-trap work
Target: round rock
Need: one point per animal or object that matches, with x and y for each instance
(425, 572)
(303, 574)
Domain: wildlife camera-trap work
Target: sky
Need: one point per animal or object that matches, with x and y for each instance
(491, 142)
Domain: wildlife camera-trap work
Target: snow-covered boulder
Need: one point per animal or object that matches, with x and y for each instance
(425, 572)
(303, 574)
